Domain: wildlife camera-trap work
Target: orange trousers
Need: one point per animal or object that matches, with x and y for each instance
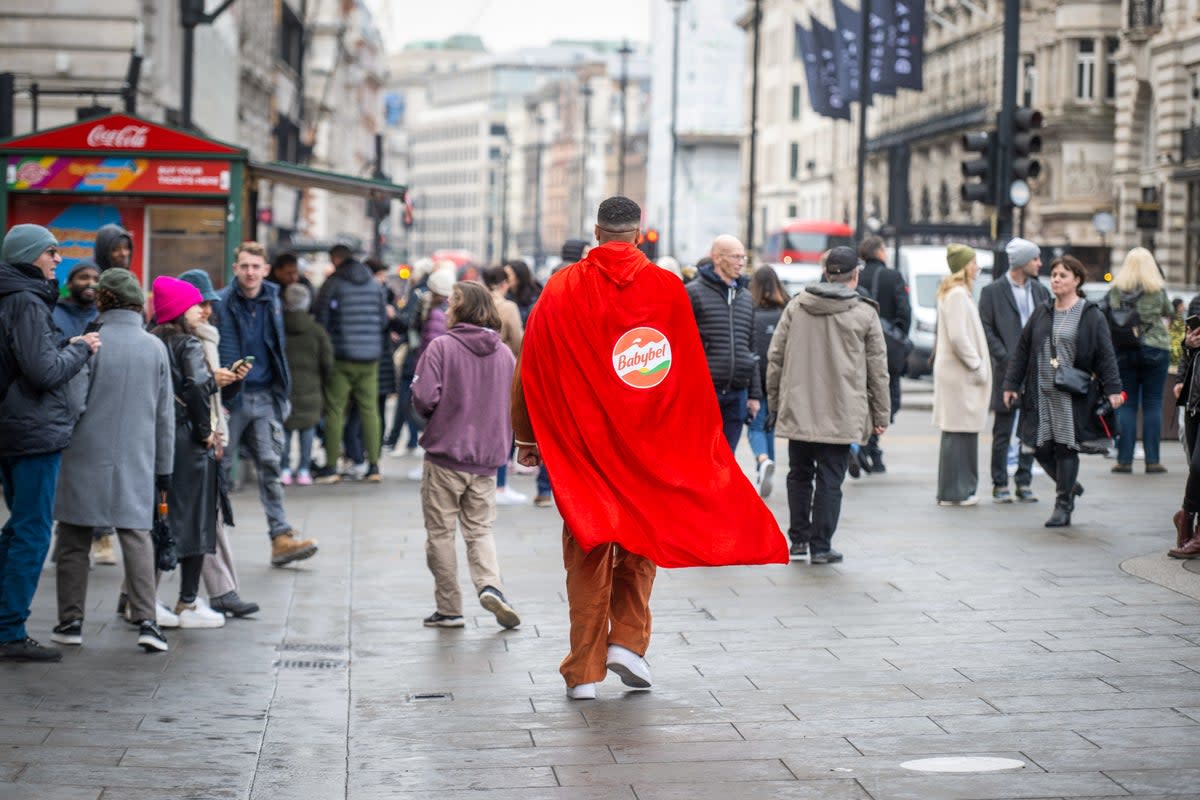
(608, 597)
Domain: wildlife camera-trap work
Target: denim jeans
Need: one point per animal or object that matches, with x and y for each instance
(733, 413)
(256, 428)
(1002, 436)
(762, 441)
(1143, 374)
(29, 484)
(306, 437)
(543, 483)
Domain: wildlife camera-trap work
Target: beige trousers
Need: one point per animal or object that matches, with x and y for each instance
(220, 576)
(450, 499)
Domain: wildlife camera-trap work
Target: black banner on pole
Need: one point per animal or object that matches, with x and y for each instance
(910, 42)
(809, 50)
(882, 46)
(828, 73)
(846, 20)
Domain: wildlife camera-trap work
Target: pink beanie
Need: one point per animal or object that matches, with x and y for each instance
(172, 297)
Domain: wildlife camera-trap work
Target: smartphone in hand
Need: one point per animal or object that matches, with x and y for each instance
(241, 362)
(1192, 322)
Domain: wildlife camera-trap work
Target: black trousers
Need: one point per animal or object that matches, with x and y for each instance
(1062, 464)
(871, 448)
(1002, 432)
(814, 486)
(1191, 492)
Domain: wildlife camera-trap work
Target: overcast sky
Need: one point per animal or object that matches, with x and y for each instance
(510, 24)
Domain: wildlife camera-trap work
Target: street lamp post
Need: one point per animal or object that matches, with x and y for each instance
(753, 144)
(538, 121)
(585, 93)
(624, 52)
(672, 240)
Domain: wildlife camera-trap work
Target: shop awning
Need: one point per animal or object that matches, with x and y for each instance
(308, 178)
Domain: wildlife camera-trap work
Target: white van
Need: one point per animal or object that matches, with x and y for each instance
(923, 267)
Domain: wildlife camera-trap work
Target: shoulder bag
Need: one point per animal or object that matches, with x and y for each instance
(1067, 377)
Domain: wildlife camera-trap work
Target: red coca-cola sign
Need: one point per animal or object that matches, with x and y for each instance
(118, 133)
(129, 137)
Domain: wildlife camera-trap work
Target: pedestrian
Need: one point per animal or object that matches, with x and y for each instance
(351, 307)
(113, 248)
(75, 311)
(193, 495)
(1187, 395)
(962, 380)
(1070, 331)
(725, 317)
(770, 297)
(285, 270)
(889, 289)
(41, 398)
(524, 290)
(1143, 357)
(125, 443)
(610, 371)
(219, 572)
(310, 362)
(251, 324)
(827, 383)
(461, 389)
(511, 333)
(408, 325)
(1005, 306)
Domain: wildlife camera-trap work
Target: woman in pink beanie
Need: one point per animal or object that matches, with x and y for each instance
(192, 497)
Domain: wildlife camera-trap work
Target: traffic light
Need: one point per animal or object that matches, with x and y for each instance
(983, 166)
(649, 243)
(1025, 142)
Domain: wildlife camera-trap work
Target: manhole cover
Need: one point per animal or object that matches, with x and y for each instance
(301, 647)
(963, 764)
(309, 664)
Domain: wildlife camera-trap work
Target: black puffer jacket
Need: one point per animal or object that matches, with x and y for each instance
(46, 398)
(351, 307)
(725, 316)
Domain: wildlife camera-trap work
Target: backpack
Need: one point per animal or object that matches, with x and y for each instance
(1124, 322)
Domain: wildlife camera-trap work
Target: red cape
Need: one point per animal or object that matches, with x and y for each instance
(626, 419)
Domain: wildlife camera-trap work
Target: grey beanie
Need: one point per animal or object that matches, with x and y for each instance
(26, 242)
(1021, 252)
(297, 297)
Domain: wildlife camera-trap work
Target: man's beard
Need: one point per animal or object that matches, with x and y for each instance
(85, 296)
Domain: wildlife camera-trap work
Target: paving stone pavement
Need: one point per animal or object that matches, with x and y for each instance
(946, 632)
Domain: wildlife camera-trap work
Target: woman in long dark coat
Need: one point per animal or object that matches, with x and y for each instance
(192, 499)
(1055, 423)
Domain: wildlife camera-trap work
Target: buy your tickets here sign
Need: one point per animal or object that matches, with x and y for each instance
(132, 175)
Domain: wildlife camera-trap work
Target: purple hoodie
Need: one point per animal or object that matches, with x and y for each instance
(462, 386)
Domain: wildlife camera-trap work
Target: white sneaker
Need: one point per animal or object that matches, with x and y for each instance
(398, 452)
(198, 615)
(415, 452)
(415, 474)
(763, 479)
(510, 497)
(584, 691)
(165, 617)
(632, 668)
(356, 472)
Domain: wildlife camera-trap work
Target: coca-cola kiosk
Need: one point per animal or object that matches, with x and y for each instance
(179, 195)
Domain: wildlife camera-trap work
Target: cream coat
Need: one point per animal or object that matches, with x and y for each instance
(962, 368)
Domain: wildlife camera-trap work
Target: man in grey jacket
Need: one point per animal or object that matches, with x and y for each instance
(821, 405)
(125, 443)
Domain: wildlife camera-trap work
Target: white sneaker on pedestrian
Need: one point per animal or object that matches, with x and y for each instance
(584, 691)
(632, 668)
(165, 617)
(764, 478)
(397, 452)
(197, 614)
(416, 473)
(508, 496)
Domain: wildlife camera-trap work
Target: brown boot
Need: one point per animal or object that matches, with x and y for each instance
(1189, 550)
(288, 547)
(1185, 527)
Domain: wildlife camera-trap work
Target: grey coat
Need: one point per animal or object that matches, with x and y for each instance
(126, 435)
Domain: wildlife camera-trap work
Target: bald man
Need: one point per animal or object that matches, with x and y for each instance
(720, 298)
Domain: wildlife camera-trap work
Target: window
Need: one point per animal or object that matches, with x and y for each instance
(794, 162)
(1029, 81)
(791, 211)
(291, 39)
(795, 101)
(1110, 68)
(1085, 70)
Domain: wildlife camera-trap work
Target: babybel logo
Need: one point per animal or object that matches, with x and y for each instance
(131, 137)
(642, 358)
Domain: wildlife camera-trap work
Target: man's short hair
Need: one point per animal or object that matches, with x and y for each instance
(619, 214)
(284, 259)
(869, 247)
(340, 252)
(253, 248)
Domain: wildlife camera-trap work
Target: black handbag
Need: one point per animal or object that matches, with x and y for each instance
(1067, 377)
(896, 341)
(165, 556)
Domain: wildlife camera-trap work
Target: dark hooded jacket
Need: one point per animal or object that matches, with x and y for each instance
(48, 382)
(351, 307)
(106, 237)
(725, 316)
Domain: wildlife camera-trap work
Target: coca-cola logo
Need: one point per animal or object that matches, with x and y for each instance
(131, 137)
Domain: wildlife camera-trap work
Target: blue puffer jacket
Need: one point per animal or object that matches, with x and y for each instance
(351, 307)
(235, 321)
(46, 397)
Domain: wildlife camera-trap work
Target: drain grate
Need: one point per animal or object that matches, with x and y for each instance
(309, 664)
(302, 647)
(426, 697)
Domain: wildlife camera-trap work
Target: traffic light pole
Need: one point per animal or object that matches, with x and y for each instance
(1004, 132)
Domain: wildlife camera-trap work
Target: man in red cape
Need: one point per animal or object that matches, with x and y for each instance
(613, 393)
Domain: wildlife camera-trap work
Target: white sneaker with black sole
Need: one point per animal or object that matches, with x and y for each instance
(629, 666)
(494, 601)
(150, 638)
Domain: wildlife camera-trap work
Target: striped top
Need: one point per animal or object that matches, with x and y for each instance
(1056, 418)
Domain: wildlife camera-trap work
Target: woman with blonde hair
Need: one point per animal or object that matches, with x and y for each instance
(962, 380)
(1138, 304)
